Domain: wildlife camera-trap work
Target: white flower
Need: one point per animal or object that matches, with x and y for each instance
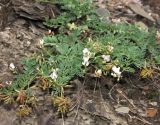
(98, 73)
(49, 31)
(85, 61)
(54, 75)
(12, 67)
(107, 58)
(86, 53)
(116, 72)
(86, 57)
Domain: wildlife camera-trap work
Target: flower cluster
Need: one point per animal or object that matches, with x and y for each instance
(102, 57)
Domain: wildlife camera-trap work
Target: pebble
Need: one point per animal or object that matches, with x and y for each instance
(153, 103)
(122, 110)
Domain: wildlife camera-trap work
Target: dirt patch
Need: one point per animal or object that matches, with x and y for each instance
(16, 41)
(154, 4)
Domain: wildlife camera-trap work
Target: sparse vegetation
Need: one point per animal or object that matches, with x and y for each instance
(82, 41)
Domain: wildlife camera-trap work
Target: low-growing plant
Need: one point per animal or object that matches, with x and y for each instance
(82, 41)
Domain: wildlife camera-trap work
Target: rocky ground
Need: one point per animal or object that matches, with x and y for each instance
(133, 101)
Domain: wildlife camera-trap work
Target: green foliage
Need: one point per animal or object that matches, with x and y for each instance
(71, 10)
(67, 57)
(131, 43)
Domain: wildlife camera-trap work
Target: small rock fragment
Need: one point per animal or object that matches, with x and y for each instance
(122, 110)
(153, 103)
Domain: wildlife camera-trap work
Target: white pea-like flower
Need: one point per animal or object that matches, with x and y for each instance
(85, 61)
(54, 74)
(116, 72)
(49, 31)
(12, 67)
(98, 73)
(86, 56)
(86, 53)
(106, 58)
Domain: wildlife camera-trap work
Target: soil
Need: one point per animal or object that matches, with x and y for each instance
(93, 102)
(154, 4)
(17, 41)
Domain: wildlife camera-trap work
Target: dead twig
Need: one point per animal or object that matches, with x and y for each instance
(120, 92)
(95, 86)
(62, 119)
(110, 92)
(79, 100)
(95, 114)
(140, 119)
(102, 97)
